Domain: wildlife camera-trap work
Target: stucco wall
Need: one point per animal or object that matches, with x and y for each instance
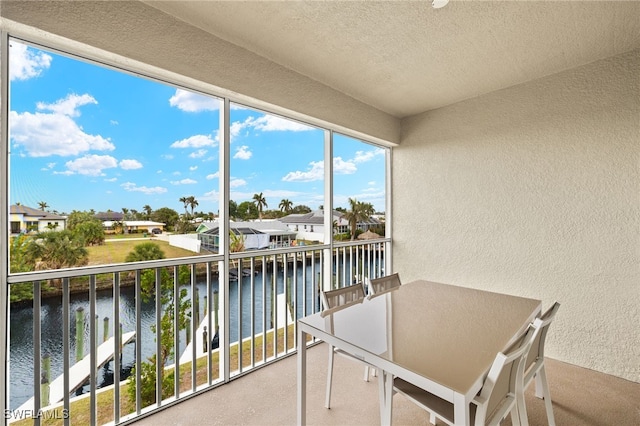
(535, 191)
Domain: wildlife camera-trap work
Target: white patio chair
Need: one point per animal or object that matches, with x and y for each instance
(377, 286)
(501, 392)
(534, 365)
(335, 300)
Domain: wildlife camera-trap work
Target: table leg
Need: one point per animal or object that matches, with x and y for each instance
(385, 388)
(302, 377)
(460, 410)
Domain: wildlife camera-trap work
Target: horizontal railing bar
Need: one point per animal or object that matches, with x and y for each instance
(106, 269)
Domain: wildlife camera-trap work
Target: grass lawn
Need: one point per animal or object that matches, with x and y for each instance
(116, 251)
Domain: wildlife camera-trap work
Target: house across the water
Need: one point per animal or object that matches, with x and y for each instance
(26, 219)
(256, 235)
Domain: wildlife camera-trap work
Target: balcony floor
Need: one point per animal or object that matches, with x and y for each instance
(268, 397)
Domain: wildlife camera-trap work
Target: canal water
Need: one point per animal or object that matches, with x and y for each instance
(21, 325)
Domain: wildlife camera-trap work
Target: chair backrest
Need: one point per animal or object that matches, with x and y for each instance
(537, 348)
(343, 297)
(383, 284)
(504, 381)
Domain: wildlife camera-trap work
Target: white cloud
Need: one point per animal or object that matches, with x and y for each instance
(167, 156)
(130, 164)
(132, 187)
(198, 154)
(194, 102)
(364, 156)
(91, 165)
(342, 167)
(186, 181)
(236, 183)
(316, 171)
(271, 123)
(193, 168)
(213, 176)
(211, 196)
(49, 166)
(44, 134)
(111, 180)
(267, 123)
(243, 153)
(25, 63)
(196, 141)
(69, 105)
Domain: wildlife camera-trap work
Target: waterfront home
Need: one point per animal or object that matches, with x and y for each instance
(256, 235)
(26, 219)
(310, 226)
(510, 137)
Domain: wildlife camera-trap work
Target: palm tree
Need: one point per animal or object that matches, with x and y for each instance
(147, 211)
(192, 202)
(236, 242)
(367, 210)
(285, 205)
(125, 212)
(57, 250)
(43, 205)
(260, 203)
(358, 212)
(184, 200)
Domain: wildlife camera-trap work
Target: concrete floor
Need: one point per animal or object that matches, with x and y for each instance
(268, 397)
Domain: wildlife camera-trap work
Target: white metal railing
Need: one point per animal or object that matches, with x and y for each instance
(266, 292)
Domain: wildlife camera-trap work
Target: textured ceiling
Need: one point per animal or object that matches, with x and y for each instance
(404, 57)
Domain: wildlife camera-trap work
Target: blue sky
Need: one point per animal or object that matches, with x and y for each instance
(87, 137)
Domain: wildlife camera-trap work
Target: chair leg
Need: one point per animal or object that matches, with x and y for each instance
(366, 373)
(327, 402)
(520, 410)
(432, 418)
(515, 417)
(542, 391)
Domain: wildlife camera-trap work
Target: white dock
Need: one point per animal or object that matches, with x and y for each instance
(80, 372)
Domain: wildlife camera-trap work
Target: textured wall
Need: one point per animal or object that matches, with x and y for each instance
(535, 190)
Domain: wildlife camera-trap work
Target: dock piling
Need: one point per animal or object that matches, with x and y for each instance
(79, 333)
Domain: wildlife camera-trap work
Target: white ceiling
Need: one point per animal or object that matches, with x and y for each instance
(404, 57)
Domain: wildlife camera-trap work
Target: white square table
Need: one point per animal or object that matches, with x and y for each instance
(442, 338)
